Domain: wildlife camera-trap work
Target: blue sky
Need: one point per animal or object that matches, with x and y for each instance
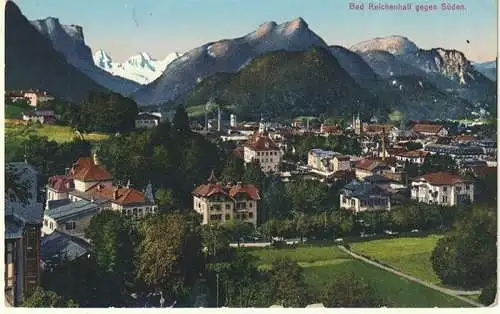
(125, 27)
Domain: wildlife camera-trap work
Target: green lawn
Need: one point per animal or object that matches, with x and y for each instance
(322, 263)
(56, 133)
(13, 111)
(408, 255)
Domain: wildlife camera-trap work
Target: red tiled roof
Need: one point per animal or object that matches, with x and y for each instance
(59, 183)
(464, 138)
(427, 128)
(261, 142)
(368, 164)
(343, 158)
(377, 128)
(85, 170)
(125, 196)
(443, 178)
(330, 129)
(207, 190)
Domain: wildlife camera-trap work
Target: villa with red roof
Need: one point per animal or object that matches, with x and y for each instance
(430, 129)
(218, 202)
(442, 188)
(73, 199)
(264, 149)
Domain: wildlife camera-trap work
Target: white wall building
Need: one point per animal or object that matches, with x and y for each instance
(442, 188)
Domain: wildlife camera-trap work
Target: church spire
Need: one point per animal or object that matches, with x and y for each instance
(212, 178)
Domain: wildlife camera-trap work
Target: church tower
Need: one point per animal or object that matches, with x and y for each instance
(357, 125)
(262, 125)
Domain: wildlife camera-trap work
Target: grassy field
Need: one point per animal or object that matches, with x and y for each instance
(408, 255)
(56, 133)
(322, 263)
(13, 111)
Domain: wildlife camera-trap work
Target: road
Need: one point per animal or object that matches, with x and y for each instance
(454, 293)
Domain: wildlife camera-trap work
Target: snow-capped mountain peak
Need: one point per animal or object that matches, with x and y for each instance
(141, 68)
(102, 59)
(396, 45)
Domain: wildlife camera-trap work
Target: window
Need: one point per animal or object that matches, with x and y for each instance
(445, 189)
(199, 205)
(250, 215)
(51, 225)
(134, 211)
(228, 217)
(445, 199)
(228, 206)
(250, 204)
(70, 225)
(45, 222)
(467, 186)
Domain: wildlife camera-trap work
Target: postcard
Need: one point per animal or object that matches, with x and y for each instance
(250, 154)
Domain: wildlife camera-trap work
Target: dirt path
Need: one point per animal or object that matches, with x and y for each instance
(454, 293)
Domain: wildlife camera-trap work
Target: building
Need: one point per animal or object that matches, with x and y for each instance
(147, 120)
(72, 218)
(413, 156)
(218, 203)
(442, 188)
(262, 148)
(330, 129)
(58, 246)
(36, 97)
(89, 181)
(232, 120)
(328, 161)
(367, 167)
(41, 116)
(430, 129)
(23, 221)
(458, 151)
(362, 196)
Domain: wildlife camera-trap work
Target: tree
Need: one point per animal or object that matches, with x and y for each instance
(46, 298)
(343, 221)
(107, 112)
(169, 257)
(181, 120)
(489, 293)
(216, 238)
(233, 170)
(467, 257)
(436, 163)
(165, 199)
(253, 173)
(238, 230)
(349, 290)
(287, 282)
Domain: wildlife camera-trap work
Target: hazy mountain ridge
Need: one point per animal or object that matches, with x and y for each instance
(227, 55)
(41, 67)
(70, 41)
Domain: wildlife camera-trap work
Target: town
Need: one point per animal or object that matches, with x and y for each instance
(252, 184)
(172, 154)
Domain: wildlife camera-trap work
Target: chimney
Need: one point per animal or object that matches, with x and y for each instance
(115, 193)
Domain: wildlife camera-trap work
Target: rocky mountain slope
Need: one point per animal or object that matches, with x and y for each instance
(287, 84)
(69, 40)
(228, 55)
(31, 62)
(488, 69)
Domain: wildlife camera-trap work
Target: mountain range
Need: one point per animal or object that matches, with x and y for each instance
(31, 62)
(69, 40)
(140, 68)
(272, 68)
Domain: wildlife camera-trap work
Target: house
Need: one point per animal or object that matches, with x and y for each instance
(414, 156)
(218, 203)
(41, 116)
(361, 196)
(367, 167)
(430, 129)
(320, 159)
(58, 246)
(442, 188)
(146, 120)
(37, 97)
(72, 218)
(458, 151)
(23, 221)
(376, 129)
(262, 148)
(89, 181)
(330, 129)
